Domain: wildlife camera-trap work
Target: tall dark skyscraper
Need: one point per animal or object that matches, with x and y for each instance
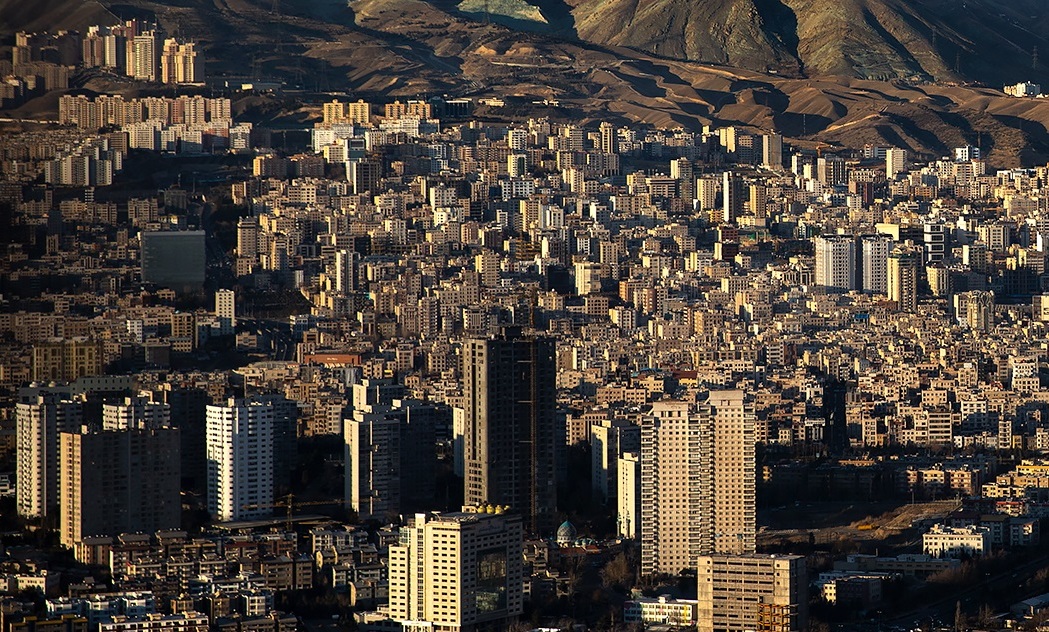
(511, 425)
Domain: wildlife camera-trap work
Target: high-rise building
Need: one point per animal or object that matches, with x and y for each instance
(731, 197)
(836, 262)
(609, 439)
(364, 175)
(359, 112)
(895, 162)
(758, 200)
(137, 413)
(727, 477)
(628, 514)
(739, 593)
(681, 170)
(189, 64)
(174, 259)
(390, 451)
(936, 241)
(707, 193)
(458, 571)
(119, 481)
(226, 311)
(670, 501)
(168, 51)
(697, 481)
(874, 257)
(772, 151)
(902, 279)
(248, 238)
(512, 427)
(39, 419)
(247, 447)
(373, 464)
(609, 141)
(347, 263)
(830, 170)
(142, 57)
(517, 165)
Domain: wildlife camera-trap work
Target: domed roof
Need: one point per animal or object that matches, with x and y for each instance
(566, 533)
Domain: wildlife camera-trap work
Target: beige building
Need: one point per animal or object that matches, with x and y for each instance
(65, 360)
(458, 571)
(727, 442)
(697, 481)
(751, 592)
(902, 279)
(181, 63)
(670, 503)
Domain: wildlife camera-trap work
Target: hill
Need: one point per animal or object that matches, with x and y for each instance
(944, 40)
(416, 48)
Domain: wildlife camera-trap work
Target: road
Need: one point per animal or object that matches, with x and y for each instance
(971, 597)
(277, 332)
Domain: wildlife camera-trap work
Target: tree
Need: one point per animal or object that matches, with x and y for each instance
(959, 617)
(618, 574)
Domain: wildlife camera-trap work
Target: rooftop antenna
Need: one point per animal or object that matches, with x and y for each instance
(1034, 58)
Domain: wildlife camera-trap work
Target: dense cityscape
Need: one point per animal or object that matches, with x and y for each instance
(432, 364)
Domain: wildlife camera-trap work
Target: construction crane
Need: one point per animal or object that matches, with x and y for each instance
(288, 502)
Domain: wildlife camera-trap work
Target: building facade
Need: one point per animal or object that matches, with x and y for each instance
(458, 572)
(738, 593)
(119, 481)
(244, 440)
(512, 428)
(39, 419)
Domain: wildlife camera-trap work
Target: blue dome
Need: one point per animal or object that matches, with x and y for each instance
(566, 533)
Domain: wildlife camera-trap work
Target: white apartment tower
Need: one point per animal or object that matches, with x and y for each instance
(895, 162)
(458, 572)
(135, 413)
(836, 262)
(628, 514)
(38, 421)
(240, 454)
(874, 257)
